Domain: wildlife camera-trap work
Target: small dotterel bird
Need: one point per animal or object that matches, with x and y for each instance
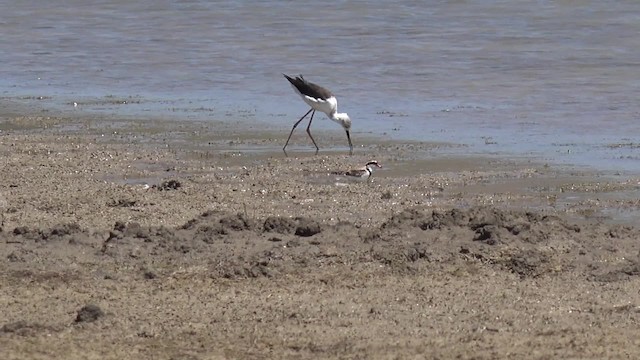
(364, 172)
(320, 99)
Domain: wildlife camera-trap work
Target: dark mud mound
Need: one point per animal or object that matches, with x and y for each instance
(220, 244)
(280, 225)
(300, 226)
(211, 224)
(89, 313)
(69, 232)
(490, 225)
(525, 243)
(168, 185)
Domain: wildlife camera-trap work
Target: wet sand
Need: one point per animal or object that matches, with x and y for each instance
(160, 240)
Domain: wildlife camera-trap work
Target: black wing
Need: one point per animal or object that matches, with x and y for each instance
(308, 88)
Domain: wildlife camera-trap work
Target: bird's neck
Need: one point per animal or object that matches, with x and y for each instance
(337, 116)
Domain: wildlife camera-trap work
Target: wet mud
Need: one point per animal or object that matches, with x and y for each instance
(135, 249)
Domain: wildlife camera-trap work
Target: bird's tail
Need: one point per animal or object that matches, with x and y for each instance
(292, 80)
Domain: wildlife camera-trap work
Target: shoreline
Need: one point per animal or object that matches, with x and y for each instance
(139, 152)
(568, 155)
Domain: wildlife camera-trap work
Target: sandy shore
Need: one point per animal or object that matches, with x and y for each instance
(135, 240)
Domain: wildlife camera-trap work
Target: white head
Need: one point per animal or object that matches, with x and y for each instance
(344, 120)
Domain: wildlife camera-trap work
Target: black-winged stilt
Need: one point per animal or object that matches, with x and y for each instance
(320, 99)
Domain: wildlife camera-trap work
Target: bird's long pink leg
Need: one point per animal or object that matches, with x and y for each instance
(294, 127)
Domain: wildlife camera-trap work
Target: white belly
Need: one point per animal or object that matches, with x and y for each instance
(328, 106)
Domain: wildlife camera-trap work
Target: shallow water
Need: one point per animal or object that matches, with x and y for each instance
(556, 80)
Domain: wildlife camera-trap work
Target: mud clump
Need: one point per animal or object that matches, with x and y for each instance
(168, 185)
(123, 203)
(89, 313)
(407, 217)
(58, 232)
(237, 222)
(307, 227)
(300, 226)
(209, 229)
(526, 263)
(416, 253)
(258, 267)
(369, 235)
(135, 231)
(489, 234)
(280, 225)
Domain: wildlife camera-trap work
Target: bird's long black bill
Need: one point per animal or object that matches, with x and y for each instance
(350, 145)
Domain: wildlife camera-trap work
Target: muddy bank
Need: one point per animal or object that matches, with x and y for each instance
(135, 240)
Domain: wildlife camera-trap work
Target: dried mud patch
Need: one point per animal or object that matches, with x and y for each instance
(624, 271)
(26, 329)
